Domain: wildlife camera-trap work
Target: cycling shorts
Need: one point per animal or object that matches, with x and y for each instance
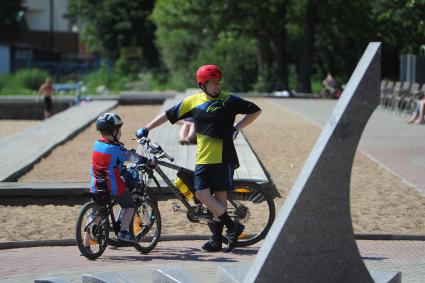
(217, 177)
(125, 200)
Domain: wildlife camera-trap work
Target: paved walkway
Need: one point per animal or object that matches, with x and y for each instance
(388, 139)
(27, 264)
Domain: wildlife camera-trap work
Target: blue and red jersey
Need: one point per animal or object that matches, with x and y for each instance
(107, 161)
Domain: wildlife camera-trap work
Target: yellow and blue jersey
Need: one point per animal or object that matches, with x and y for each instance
(214, 119)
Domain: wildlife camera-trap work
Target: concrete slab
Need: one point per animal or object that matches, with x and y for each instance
(237, 274)
(108, 277)
(51, 280)
(171, 275)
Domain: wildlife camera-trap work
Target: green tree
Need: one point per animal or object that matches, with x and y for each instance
(109, 25)
(261, 23)
(11, 18)
(400, 25)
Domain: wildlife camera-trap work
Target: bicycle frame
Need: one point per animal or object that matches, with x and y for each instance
(164, 177)
(107, 211)
(169, 183)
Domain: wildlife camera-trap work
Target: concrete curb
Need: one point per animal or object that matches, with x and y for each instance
(390, 237)
(169, 238)
(72, 242)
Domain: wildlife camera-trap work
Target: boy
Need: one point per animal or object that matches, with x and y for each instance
(107, 172)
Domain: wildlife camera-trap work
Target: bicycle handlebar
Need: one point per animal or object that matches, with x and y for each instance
(155, 149)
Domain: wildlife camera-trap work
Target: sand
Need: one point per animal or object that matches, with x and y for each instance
(380, 201)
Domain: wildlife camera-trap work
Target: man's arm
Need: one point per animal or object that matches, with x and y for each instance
(158, 121)
(248, 119)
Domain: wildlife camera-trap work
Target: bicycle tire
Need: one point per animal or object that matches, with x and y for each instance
(255, 209)
(97, 234)
(146, 226)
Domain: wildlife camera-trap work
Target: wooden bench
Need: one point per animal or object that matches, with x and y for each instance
(20, 151)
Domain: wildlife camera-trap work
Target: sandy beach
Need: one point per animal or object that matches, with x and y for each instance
(380, 201)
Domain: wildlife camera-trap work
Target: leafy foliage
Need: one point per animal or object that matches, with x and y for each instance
(22, 82)
(109, 25)
(255, 42)
(11, 16)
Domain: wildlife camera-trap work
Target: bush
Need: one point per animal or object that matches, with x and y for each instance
(128, 68)
(22, 82)
(160, 81)
(30, 79)
(105, 76)
(237, 59)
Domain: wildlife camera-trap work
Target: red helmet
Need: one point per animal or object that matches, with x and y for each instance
(208, 72)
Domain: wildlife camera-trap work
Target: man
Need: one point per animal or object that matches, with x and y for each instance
(46, 90)
(213, 112)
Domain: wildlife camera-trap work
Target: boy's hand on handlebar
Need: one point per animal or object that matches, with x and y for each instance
(142, 133)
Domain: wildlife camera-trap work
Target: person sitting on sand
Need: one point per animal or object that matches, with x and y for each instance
(418, 115)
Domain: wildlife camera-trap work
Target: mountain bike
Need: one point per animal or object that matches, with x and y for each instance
(248, 203)
(97, 219)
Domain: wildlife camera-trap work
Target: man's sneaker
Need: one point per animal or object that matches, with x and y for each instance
(125, 236)
(213, 245)
(233, 235)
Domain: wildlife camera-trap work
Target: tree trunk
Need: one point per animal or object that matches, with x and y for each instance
(307, 47)
(265, 61)
(279, 40)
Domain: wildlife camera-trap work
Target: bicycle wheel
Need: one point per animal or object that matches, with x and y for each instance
(146, 225)
(250, 205)
(91, 233)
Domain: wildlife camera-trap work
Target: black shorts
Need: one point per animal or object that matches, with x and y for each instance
(48, 105)
(217, 177)
(125, 200)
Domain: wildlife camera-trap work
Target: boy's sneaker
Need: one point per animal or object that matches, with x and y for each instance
(233, 235)
(125, 236)
(213, 245)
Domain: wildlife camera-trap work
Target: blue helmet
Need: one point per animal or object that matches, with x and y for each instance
(108, 122)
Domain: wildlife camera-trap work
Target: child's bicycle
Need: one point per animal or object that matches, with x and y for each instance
(248, 204)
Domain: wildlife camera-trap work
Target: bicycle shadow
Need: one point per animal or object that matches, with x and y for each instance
(184, 254)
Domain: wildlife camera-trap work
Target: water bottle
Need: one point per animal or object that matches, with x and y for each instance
(184, 189)
(137, 227)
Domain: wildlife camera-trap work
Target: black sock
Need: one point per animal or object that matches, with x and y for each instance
(225, 218)
(219, 226)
